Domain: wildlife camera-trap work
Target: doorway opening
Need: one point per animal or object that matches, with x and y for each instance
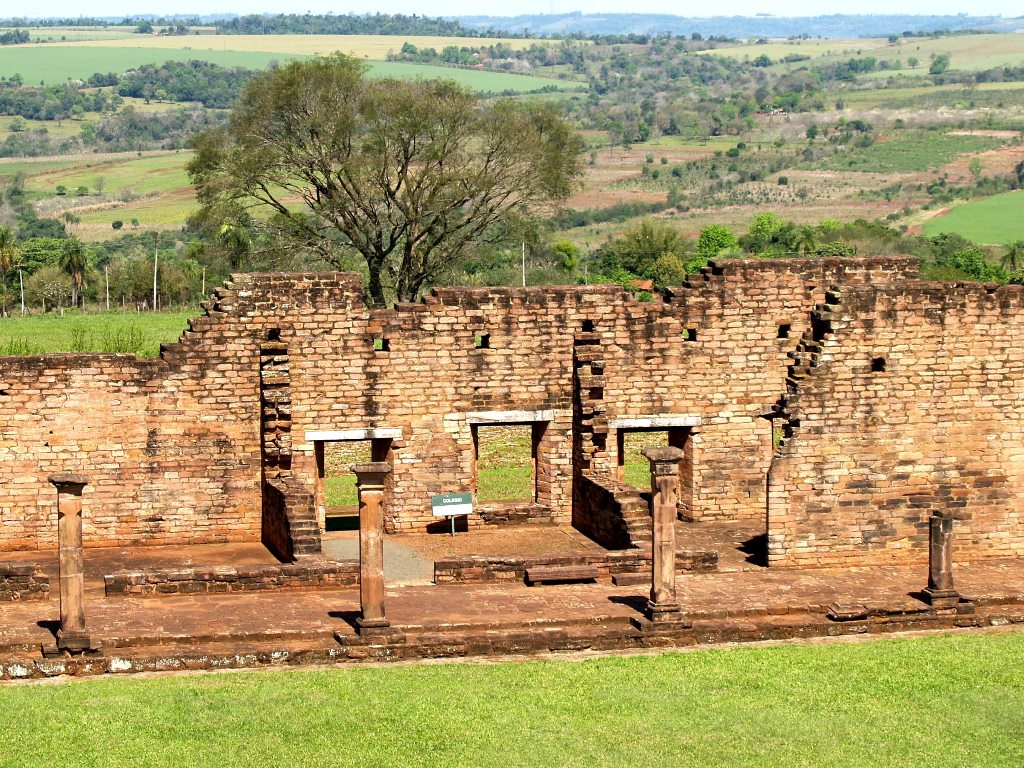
(506, 462)
(634, 469)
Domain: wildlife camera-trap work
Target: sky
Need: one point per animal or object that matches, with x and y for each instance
(512, 7)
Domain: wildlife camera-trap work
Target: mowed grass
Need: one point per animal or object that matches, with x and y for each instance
(996, 219)
(141, 333)
(942, 702)
(908, 152)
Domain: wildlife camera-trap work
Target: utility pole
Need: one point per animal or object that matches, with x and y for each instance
(106, 276)
(156, 260)
(524, 264)
(21, 282)
(203, 293)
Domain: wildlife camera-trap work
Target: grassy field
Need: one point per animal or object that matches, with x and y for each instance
(57, 62)
(996, 219)
(942, 702)
(140, 333)
(967, 52)
(908, 152)
(151, 173)
(375, 47)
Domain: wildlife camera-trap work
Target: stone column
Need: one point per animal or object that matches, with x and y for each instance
(662, 605)
(370, 484)
(72, 635)
(940, 592)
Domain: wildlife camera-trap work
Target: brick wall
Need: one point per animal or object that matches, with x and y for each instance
(177, 449)
(909, 399)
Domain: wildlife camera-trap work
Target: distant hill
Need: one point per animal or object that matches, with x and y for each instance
(833, 26)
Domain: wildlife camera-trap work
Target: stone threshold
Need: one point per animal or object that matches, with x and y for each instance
(410, 643)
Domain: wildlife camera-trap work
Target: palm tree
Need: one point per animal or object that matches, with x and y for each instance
(8, 258)
(75, 263)
(1013, 259)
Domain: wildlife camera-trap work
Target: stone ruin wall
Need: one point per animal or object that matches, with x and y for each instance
(174, 445)
(873, 453)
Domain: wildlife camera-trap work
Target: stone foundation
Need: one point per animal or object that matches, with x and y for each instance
(309, 574)
(488, 568)
(23, 581)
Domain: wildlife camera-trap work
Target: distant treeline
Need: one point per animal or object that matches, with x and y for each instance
(210, 84)
(14, 37)
(376, 24)
(830, 26)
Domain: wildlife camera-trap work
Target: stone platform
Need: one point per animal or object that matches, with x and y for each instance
(264, 628)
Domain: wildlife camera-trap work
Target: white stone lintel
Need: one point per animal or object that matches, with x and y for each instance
(509, 417)
(654, 422)
(369, 433)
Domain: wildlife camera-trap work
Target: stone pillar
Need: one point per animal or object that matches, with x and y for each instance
(662, 605)
(940, 592)
(370, 484)
(72, 635)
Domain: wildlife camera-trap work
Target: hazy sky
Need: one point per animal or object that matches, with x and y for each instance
(511, 7)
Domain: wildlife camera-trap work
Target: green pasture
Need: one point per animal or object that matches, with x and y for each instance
(909, 151)
(942, 701)
(915, 94)
(150, 173)
(55, 64)
(141, 333)
(966, 52)
(995, 220)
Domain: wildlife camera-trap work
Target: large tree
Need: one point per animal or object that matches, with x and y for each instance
(407, 174)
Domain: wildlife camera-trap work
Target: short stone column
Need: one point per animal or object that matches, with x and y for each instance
(370, 484)
(941, 593)
(72, 635)
(662, 605)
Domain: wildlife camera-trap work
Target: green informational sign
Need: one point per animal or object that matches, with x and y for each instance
(448, 504)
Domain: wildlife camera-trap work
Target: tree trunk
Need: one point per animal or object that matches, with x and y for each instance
(374, 286)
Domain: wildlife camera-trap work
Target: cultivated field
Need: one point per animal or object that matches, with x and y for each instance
(79, 59)
(941, 702)
(996, 220)
(966, 52)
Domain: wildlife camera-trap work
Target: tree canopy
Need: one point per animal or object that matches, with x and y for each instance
(406, 174)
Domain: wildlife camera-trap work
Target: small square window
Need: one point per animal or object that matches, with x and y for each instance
(690, 334)
(482, 341)
(784, 329)
(878, 365)
(588, 326)
(381, 344)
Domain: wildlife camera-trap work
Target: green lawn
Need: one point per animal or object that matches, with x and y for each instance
(936, 701)
(996, 219)
(141, 333)
(908, 152)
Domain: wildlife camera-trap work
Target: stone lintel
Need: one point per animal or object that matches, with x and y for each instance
(367, 433)
(509, 417)
(654, 422)
(68, 480)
